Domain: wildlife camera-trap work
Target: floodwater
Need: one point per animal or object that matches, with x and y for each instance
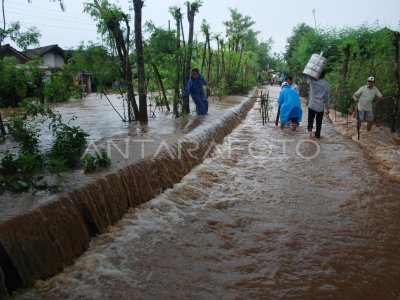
(125, 142)
(380, 143)
(271, 215)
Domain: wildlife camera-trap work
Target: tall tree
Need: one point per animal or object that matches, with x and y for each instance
(14, 33)
(205, 28)
(396, 45)
(160, 48)
(192, 10)
(177, 15)
(111, 20)
(217, 37)
(22, 39)
(137, 7)
(237, 28)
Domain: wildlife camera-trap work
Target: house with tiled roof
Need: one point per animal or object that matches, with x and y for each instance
(52, 56)
(8, 51)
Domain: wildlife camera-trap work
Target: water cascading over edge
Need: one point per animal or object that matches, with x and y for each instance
(40, 242)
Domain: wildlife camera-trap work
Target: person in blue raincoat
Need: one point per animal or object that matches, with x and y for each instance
(195, 87)
(290, 106)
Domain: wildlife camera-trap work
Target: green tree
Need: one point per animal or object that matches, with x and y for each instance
(238, 28)
(160, 49)
(207, 60)
(13, 31)
(97, 60)
(192, 9)
(238, 31)
(113, 24)
(13, 82)
(177, 15)
(263, 51)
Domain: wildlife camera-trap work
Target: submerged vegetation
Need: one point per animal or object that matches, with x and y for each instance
(29, 167)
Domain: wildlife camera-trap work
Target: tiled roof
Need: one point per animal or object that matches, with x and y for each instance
(38, 52)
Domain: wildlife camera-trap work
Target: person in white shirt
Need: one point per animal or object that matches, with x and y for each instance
(364, 97)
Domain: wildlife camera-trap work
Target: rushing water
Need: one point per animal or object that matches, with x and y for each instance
(39, 241)
(124, 142)
(270, 215)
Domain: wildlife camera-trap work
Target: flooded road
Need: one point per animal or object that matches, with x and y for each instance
(271, 215)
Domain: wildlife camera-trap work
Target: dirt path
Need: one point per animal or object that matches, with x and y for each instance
(260, 220)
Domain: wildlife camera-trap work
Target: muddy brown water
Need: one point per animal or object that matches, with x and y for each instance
(125, 142)
(44, 234)
(272, 215)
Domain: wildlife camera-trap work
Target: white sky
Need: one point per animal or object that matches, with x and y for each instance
(274, 19)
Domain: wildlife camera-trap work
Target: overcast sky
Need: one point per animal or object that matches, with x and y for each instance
(274, 19)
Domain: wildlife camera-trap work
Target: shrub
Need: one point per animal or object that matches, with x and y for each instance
(90, 163)
(69, 144)
(13, 82)
(26, 134)
(25, 170)
(93, 162)
(56, 89)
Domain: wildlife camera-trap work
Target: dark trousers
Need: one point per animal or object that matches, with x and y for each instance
(312, 114)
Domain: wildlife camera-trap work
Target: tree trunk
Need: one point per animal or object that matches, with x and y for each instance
(218, 64)
(184, 58)
(122, 47)
(129, 77)
(209, 62)
(138, 4)
(178, 64)
(131, 94)
(222, 58)
(161, 84)
(396, 40)
(4, 21)
(346, 61)
(203, 57)
(190, 14)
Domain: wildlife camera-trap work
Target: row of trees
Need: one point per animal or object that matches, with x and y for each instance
(353, 55)
(164, 59)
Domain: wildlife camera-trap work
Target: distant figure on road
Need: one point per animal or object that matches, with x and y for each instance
(195, 87)
(318, 100)
(290, 106)
(365, 96)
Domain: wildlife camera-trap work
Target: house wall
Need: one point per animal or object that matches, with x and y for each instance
(53, 60)
(59, 60)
